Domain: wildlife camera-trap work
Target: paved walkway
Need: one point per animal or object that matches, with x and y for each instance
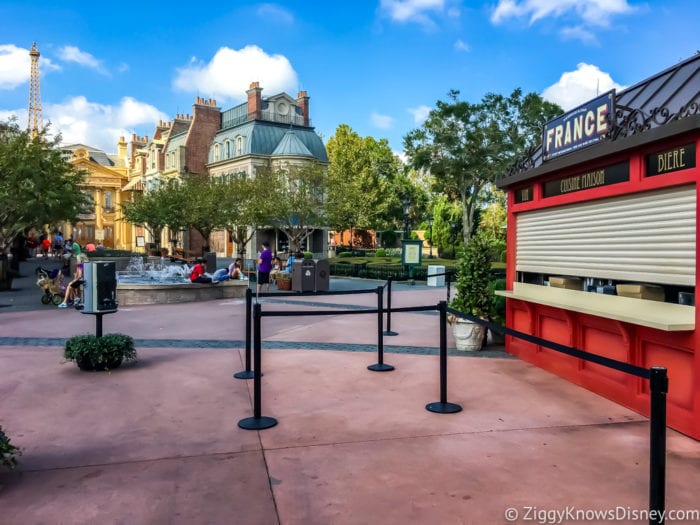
(158, 441)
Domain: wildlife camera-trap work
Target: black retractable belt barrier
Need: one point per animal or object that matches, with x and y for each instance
(388, 330)
(442, 406)
(257, 422)
(247, 373)
(380, 366)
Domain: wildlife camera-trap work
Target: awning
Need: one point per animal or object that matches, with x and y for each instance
(134, 185)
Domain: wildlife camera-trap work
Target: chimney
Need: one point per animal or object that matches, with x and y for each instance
(255, 101)
(121, 149)
(303, 101)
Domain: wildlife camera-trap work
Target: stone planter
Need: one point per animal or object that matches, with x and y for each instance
(469, 336)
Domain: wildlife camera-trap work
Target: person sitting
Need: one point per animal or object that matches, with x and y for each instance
(90, 247)
(72, 289)
(237, 272)
(198, 273)
(276, 269)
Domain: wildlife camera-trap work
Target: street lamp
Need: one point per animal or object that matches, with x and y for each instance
(430, 241)
(406, 208)
(453, 234)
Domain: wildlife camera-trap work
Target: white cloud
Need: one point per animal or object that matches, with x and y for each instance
(461, 45)
(578, 33)
(592, 12)
(579, 86)
(15, 66)
(275, 13)
(73, 54)
(420, 113)
(416, 11)
(100, 125)
(381, 121)
(229, 73)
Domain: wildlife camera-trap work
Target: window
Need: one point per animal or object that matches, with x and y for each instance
(228, 149)
(239, 145)
(108, 201)
(216, 152)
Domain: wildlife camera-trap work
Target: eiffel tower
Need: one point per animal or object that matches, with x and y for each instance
(34, 120)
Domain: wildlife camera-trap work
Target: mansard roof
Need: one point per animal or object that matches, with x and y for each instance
(664, 105)
(264, 138)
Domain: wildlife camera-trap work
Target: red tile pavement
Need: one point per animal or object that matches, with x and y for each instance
(158, 441)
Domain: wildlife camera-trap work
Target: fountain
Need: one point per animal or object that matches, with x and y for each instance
(160, 283)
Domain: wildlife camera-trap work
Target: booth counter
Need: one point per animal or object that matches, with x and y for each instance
(602, 242)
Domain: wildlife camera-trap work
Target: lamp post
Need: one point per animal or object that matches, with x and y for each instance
(406, 208)
(453, 233)
(430, 241)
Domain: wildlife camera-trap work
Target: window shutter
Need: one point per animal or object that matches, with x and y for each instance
(645, 237)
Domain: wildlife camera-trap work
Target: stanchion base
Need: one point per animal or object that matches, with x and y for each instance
(443, 408)
(244, 374)
(380, 367)
(390, 332)
(257, 423)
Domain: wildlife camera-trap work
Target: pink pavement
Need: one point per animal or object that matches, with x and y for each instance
(158, 441)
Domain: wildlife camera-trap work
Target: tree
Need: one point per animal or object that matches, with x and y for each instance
(38, 185)
(201, 205)
(243, 208)
(295, 202)
(467, 146)
(362, 174)
(150, 210)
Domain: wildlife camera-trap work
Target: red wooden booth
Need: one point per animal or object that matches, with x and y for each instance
(602, 242)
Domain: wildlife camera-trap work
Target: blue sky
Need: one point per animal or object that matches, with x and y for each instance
(110, 69)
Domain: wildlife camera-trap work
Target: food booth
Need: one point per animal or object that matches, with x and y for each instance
(602, 242)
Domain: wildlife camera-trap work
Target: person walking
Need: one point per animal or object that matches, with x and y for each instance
(264, 267)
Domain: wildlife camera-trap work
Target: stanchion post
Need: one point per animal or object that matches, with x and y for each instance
(247, 373)
(388, 330)
(442, 406)
(98, 325)
(257, 422)
(380, 366)
(448, 275)
(658, 387)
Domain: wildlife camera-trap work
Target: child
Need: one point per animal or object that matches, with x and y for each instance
(198, 273)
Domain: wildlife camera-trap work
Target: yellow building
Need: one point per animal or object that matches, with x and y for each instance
(106, 176)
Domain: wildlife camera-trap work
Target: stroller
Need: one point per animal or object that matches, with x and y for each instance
(51, 281)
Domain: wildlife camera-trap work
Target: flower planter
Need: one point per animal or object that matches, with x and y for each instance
(284, 284)
(469, 336)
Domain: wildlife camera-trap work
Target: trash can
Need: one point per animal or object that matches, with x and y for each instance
(434, 279)
(323, 275)
(304, 275)
(210, 259)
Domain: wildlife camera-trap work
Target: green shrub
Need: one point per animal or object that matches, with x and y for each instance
(101, 353)
(498, 307)
(308, 255)
(381, 252)
(473, 277)
(345, 254)
(8, 451)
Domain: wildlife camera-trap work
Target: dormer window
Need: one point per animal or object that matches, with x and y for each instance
(228, 149)
(216, 152)
(239, 145)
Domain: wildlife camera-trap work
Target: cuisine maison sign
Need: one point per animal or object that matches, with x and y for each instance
(579, 128)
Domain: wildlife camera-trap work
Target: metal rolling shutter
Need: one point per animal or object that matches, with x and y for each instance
(644, 237)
